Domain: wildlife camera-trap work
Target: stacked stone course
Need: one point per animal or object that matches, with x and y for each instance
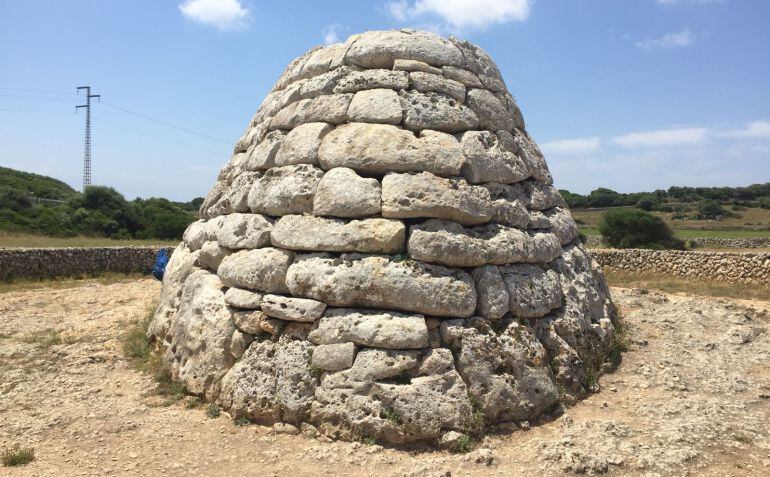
(385, 255)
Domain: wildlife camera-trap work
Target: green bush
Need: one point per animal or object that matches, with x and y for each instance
(635, 228)
(711, 209)
(764, 202)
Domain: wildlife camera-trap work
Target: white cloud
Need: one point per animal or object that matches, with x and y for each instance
(662, 137)
(585, 145)
(331, 35)
(223, 14)
(461, 14)
(753, 130)
(679, 39)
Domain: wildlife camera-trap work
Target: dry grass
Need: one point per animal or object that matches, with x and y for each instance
(68, 282)
(673, 284)
(18, 240)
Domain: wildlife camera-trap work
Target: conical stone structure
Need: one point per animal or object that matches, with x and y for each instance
(384, 256)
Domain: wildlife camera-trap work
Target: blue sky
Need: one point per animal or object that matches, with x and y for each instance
(632, 95)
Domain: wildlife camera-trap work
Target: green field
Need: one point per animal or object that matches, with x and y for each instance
(14, 240)
(753, 222)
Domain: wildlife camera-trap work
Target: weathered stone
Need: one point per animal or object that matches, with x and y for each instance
(381, 148)
(238, 231)
(453, 441)
(292, 309)
(212, 197)
(372, 79)
(232, 168)
(262, 156)
(475, 58)
(496, 85)
(451, 244)
(304, 232)
(343, 193)
(426, 195)
(467, 78)
(428, 82)
(198, 233)
(240, 298)
(492, 113)
(301, 144)
(379, 329)
(211, 255)
(533, 292)
(285, 190)
(436, 111)
(511, 213)
(323, 84)
(487, 161)
(330, 57)
(179, 267)
(513, 109)
(524, 147)
(324, 109)
(412, 65)
(198, 340)
(248, 321)
(382, 282)
(534, 195)
(380, 49)
(562, 224)
(493, 300)
(334, 357)
(272, 326)
(538, 220)
(239, 343)
(378, 364)
(261, 269)
(234, 199)
(376, 106)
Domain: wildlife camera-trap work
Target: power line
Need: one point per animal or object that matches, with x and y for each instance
(35, 111)
(144, 116)
(139, 131)
(33, 97)
(60, 93)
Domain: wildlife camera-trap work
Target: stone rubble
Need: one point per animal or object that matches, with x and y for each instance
(384, 256)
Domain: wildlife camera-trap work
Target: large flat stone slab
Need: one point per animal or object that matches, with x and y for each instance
(371, 79)
(436, 112)
(426, 195)
(451, 244)
(381, 148)
(262, 269)
(378, 329)
(331, 109)
(534, 195)
(380, 49)
(301, 144)
(427, 82)
(343, 193)
(372, 281)
(319, 234)
(285, 190)
(292, 309)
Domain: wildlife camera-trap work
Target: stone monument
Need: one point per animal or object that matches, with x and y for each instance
(385, 257)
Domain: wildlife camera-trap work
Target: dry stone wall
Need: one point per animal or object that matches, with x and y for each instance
(734, 267)
(38, 263)
(385, 256)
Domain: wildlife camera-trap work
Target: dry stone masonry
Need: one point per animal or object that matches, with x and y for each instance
(385, 256)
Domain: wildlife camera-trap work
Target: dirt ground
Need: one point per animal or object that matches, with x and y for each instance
(692, 397)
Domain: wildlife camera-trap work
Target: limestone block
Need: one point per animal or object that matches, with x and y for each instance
(562, 224)
(381, 148)
(511, 213)
(430, 82)
(486, 160)
(239, 343)
(493, 298)
(429, 196)
(306, 232)
(343, 193)
(211, 255)
(380, 49)
(467, 78)
(376, 106)
(248, 321)
(451, 244)
(237, 231)
(526, 148)
(245, 299)
(301, 144)
(262, 156)
(492, 113)
(382, 282)
(292, 309)
(378, 364)
(534, 195)
(436, 111)
(372, 79)
(285, 190)
(235, 198)
(262, 269)
(378, 329)
(334, 357)
(533, 292)
(412, 65)
(326, 109)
